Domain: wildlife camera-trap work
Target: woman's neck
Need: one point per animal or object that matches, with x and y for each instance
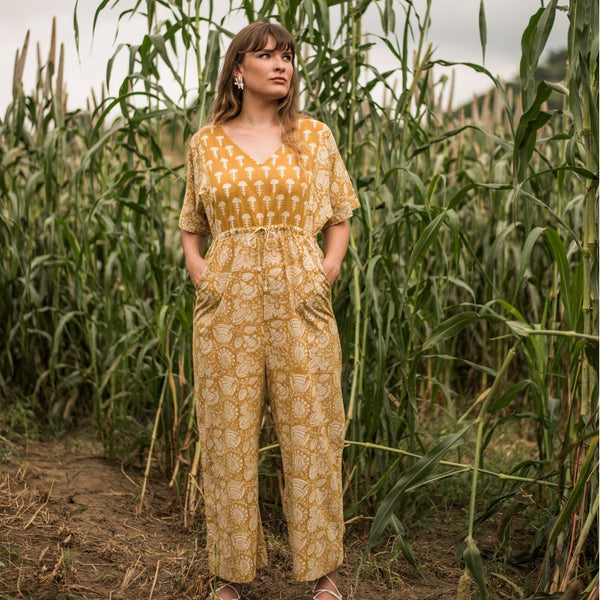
(256, 115)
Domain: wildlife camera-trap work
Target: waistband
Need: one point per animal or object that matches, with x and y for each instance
(262, 230)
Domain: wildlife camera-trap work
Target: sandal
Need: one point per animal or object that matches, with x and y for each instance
(335, 592)
(214, 595)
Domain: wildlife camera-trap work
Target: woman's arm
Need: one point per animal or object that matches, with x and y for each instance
(335, 244)
(194, 246)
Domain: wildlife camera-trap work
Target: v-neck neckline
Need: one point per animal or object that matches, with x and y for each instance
(246, 153)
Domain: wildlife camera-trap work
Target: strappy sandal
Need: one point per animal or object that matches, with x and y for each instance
(214, 595)
(335, 592)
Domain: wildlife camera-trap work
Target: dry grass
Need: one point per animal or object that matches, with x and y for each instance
(69, 530)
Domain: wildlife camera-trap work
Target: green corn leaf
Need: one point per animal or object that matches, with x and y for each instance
(450, 328)
(424, 242)
(405, 546)
(416, 474)
(526, 135)
(525, 256)
(533, 43)
(560, 258)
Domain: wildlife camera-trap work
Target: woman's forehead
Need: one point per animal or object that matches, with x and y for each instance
(269, 42)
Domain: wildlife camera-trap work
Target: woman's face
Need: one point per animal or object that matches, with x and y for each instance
(267, 73)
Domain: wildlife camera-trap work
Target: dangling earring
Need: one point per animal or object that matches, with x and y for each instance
(238, 82)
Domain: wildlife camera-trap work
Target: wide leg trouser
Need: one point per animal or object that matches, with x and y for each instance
(263, 323)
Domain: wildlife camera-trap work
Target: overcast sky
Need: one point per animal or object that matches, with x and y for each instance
(454, 33)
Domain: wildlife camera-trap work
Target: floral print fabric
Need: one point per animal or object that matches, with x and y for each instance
(264, 326)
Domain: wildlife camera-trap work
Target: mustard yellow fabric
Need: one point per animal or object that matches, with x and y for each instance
(264, 326)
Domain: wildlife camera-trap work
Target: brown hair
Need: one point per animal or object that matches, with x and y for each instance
(228, 102)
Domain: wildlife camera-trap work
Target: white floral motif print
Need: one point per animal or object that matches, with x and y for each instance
(264, 327)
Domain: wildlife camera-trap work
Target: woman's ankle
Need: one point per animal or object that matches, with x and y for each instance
(326, 587)
(332, 577)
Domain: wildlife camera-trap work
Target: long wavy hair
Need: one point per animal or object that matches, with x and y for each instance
(228, 102)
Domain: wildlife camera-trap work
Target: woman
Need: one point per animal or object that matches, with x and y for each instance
(263, 182)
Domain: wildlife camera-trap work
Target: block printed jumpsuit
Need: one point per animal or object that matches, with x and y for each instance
(264, 325)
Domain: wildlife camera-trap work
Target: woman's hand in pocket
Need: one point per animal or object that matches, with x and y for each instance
(194, 245)
(196, 269)
(335, 244)
(331, 268)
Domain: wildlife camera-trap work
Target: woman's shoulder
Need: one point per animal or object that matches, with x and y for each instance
(203, 136)
(312, 125)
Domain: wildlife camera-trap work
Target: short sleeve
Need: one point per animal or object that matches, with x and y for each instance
(193, 214)
(341, 192)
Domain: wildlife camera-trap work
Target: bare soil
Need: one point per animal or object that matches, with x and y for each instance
(69, 529)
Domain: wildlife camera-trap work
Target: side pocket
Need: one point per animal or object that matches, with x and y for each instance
(315, 299)
(206, 300)
(316, 256)
(212, 285)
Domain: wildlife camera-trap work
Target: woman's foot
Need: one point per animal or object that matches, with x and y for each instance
(326, 588)
(227, 591)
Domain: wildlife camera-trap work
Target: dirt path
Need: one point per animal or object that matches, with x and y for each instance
(69, 530)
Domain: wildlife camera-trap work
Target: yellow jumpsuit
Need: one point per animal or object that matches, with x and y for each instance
(264, 326)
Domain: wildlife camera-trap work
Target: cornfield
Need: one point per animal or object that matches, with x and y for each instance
(467, 306)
